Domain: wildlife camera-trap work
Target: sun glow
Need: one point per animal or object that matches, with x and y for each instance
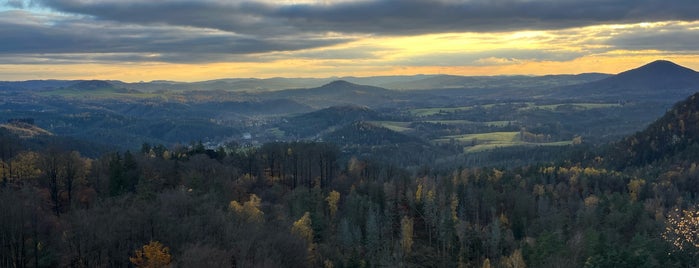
(574, 50)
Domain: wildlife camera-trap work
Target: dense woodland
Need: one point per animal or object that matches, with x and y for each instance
(298, 204)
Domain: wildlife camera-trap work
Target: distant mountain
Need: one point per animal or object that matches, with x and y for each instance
(494, 82)
(675, 135)
(658, 81)
(91, 85)
(34, 84)
(338, 93)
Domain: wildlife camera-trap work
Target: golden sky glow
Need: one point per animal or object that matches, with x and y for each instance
(607, 48)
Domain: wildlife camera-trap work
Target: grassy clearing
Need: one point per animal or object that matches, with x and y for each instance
(451, 122)
(276, 132)
(393, 125)
(467, 122)
(492, 140)
(576, 106)
(399, 126)
(421, 112)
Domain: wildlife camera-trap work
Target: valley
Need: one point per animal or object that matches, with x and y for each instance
(471, 114)
(589, 170)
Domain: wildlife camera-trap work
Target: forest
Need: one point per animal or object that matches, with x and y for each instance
(306, 204)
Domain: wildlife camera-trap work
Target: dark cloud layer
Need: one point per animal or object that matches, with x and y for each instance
(675, 39)
(24, 33)
(384, 17)
(220, 30)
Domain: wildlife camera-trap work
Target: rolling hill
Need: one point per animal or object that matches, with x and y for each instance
(316, 123)
(339, 93)
(660, 80)
(364, 133)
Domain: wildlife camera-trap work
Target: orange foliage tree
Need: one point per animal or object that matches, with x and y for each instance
(152, 255)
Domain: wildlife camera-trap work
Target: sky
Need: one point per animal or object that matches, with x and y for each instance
(189, 40)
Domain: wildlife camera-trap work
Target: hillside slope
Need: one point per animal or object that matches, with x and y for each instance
(317, 123)
(673, 136)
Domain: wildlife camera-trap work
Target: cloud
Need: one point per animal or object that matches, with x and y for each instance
(185, 31)
(26, 33)
(14, 3)
(486, 58)
(385, 17)
(674, 37)
(497, 61)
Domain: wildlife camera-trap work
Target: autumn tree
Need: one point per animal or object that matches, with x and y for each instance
(406, 234)
(682, 229)
(250, 210)
(152, 255)
(516, 260)
(332, 199)
(24, 166)
(303, 229)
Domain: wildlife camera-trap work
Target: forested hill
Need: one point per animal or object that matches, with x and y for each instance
(674, 136)
(321, 121)
(660, 80)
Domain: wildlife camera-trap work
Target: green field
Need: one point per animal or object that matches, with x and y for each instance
(399, 126)
(576, 106)
(393, 125)
(466, 122)
(486, 141)
(421, 112)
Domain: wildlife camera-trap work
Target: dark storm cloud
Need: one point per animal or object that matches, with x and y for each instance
(389, 17)
(24, 33)
(221, 30)
(673, 38)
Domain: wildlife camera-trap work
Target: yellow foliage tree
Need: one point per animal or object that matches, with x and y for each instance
(516, 260)
(250, 210)
(682, 229)
(303, 229)
(453, 206)
(486, 263)
(333, 198)
(635, 186)
(152, 255)
(418, 193)
(406, 234)
(25, 166)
